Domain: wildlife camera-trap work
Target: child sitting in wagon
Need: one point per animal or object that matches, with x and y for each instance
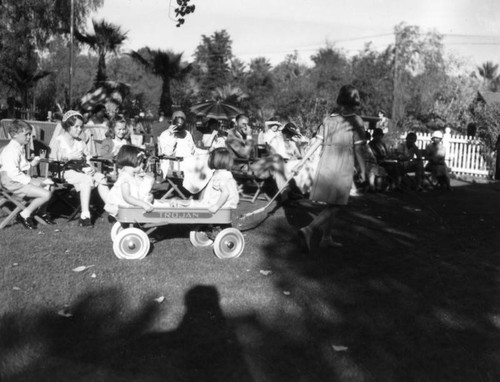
(222, 190)
(132, 187)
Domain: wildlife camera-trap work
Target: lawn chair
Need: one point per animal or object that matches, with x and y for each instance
(251, 187)
(12, 205)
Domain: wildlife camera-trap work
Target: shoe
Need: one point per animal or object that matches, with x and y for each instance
(305, 235)
(329, 243)
(85, 223)
(28, 223)
(47, 219)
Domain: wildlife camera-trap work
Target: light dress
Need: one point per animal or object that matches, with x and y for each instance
(139, 186)
(213, 191)
(334, 175)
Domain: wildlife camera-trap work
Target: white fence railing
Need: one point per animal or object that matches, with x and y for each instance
(464, 156)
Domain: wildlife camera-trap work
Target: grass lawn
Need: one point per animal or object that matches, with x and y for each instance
(411, 296)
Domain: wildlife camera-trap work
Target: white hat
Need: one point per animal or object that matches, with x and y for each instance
(272, 123)
(437, 134)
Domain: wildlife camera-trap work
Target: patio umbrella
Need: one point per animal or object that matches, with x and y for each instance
(216, 110)
(105, 92)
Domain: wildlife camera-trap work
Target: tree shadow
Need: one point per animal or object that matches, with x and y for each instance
(412, 295)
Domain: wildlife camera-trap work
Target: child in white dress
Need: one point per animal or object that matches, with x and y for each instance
(133, 186)
(222, 190)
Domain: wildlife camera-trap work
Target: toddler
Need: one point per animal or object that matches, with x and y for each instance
(14, 177)
(133, 186)
(222, 190)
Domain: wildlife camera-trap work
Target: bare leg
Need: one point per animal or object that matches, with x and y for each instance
(85, 200)
(40, 197)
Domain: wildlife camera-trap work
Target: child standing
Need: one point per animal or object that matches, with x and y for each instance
(14, 178)
(222, 190)
(72, 150)
(132, 188)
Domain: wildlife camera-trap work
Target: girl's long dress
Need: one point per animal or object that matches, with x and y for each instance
(334, 175)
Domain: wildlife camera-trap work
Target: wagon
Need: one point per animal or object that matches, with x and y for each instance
(130, 232)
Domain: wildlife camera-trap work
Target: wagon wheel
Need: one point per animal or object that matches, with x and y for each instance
(131, 244)
(115, 230)
(229, 244)
(200, 238)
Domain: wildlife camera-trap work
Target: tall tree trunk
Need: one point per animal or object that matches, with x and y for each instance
(166, 98)
(101, 69)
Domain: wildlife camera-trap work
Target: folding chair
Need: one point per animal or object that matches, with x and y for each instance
(173, 177)
(251, 187)
(12, 205)
(64, 192)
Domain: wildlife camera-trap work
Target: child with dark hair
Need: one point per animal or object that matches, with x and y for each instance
(14, 177)
(222, 190)
(133, 186)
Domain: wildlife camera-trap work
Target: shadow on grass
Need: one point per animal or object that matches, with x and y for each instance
(106, 340)
(412, 295)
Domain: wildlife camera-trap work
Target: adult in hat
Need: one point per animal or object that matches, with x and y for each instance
(435, 153)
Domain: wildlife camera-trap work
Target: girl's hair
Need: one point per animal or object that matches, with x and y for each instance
(129, 155)
(220, 159)
(70, 121)
(112, 124)
(348, 96)
(18, 126)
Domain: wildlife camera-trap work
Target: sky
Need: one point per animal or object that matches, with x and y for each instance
(276, 28)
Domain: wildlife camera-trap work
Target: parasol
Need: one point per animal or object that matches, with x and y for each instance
(216, 110)
(103, 93)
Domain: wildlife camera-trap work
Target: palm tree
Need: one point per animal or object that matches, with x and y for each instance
(168, 66)
(489, 72)
(107, 38)
(229, 94)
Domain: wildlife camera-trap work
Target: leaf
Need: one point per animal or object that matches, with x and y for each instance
(65, 313)
(16, 288)
(41, 233)
(82, 268)
(286, 293)
(93, 275)
(15, 264)
(57, 230)
(339, 348)
(160, 299)
(265, 272)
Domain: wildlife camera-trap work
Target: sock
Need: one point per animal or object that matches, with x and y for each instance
(85, 215)
(24, 214)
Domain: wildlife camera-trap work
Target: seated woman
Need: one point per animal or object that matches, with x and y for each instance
(383, 157)
(78, 171)
(435, 153)
(175, 141)
(410, 159)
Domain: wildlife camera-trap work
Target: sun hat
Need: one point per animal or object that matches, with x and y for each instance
(437, 134)
(273, 123)
(71, 113)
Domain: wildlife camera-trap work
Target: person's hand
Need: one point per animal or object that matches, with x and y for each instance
(172, 129)
(147, 207)
(90, 170)
(212, 209)
(35, 161)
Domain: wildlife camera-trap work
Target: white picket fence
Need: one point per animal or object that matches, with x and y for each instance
(464, 156)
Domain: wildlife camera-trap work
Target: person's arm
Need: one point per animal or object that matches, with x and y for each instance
(167, 142)
(11, 164)
(224, 195)
(243, 149)
(125, 189)
(359, 142)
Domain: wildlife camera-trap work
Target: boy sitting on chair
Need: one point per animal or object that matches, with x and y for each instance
(14, 177)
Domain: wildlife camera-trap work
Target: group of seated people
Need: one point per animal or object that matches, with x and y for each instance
(406, 158)
(132, 186)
